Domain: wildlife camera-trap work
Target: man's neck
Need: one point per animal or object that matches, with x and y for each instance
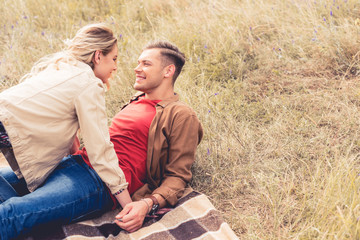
(160, 94)
(164, 96)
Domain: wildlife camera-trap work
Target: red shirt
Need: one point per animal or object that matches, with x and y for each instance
(129, 133)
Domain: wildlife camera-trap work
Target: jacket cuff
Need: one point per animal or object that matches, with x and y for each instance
(118, 188)
(171, 196)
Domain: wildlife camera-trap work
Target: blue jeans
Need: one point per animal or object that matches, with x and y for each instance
(72, 192)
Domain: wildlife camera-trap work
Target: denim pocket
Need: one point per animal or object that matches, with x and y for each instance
(79, 160)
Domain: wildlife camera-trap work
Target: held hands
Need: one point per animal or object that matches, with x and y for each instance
(133, 214)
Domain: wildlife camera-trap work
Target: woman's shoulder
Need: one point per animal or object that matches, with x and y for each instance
(79, 70)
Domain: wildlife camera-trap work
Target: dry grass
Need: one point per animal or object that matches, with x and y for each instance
(275, 84)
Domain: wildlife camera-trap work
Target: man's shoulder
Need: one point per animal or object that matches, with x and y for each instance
(180, 108)
(179, 105)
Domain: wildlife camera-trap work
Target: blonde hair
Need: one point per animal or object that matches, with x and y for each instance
(82, 47)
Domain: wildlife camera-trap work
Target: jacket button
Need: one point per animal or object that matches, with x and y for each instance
(6, 122)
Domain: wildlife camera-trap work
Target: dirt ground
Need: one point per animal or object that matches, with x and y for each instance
(3, 162)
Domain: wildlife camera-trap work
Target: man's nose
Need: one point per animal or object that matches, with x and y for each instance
(137, 68)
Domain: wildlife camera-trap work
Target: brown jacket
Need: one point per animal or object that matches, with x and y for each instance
(173, 137)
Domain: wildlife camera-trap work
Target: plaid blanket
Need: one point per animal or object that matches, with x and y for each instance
(194, 217)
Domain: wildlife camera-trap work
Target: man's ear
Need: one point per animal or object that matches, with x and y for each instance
(170, 70)
(96, 58)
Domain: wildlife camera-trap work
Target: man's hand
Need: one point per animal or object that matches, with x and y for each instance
(132, 216)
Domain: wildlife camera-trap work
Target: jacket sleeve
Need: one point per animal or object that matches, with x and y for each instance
(185, 135)
(90, 110)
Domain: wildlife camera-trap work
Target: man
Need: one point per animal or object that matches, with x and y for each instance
(155, 136)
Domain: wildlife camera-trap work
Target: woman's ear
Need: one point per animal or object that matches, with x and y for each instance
(96, 58)
(170, 70)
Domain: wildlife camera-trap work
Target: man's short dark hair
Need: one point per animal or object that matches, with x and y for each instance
(171, 54)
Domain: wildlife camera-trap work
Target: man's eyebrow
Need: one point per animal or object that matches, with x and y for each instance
(144, 60)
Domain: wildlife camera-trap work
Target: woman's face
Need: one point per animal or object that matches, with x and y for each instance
(104, 66)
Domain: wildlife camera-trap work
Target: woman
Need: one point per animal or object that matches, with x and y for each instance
(39, 119)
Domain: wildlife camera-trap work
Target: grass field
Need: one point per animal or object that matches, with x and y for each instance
(275, 84)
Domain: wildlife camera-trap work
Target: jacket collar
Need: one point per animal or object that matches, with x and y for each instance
(163, 102)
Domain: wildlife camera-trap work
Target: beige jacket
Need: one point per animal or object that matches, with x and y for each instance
(42, 116)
